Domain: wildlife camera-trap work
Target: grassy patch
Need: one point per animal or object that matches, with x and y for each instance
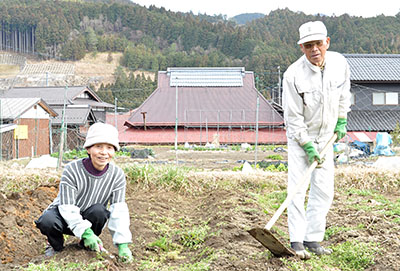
(271, 201)
(348, 256)
(373, 200)
(176, 237)
(331, 231)
(172, 177)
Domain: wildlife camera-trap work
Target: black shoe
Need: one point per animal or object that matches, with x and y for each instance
(301, 252)
(317, 249)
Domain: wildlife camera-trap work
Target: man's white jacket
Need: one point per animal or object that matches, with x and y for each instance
(313, 99)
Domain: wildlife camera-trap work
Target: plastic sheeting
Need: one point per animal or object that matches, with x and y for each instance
(383, 142)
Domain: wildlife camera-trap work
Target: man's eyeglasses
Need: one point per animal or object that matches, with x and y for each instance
(310, 45)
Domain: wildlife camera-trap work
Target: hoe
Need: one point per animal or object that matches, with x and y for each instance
(264, 235)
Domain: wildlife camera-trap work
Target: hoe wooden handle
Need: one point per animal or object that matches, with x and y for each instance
(303, 182)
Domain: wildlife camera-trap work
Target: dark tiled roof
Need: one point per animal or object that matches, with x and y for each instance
(73, 116)
(374, 67)
(224, 105)
(383, 121)
(51, 95)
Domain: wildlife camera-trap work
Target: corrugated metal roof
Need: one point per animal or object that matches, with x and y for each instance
(374, 67)
(206, 77)
(12, 108)
(361, 120)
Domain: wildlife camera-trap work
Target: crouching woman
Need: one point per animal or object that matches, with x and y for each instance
(86, 189)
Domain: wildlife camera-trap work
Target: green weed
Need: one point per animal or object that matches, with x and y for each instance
(354, 255)
(193, 237)
(274, 157)
(164, 243)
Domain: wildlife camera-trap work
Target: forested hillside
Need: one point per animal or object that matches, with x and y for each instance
(153, 39)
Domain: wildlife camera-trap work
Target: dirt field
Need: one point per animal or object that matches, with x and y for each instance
(229, 211)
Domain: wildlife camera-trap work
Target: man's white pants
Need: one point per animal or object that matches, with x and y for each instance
(309, 224)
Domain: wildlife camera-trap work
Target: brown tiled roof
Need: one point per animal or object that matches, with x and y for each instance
(201, 105)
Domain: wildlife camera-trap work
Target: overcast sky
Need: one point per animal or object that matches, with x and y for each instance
(364, 8)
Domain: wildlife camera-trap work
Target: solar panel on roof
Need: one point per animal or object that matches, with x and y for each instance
(206, 77)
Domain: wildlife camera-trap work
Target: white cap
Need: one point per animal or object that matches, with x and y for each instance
(102, 133)
(312, 31)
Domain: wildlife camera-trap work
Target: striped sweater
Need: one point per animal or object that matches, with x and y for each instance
(79, 190)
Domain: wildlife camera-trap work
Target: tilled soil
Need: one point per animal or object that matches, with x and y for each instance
(228, 212)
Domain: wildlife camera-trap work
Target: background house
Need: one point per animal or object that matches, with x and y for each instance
(375, 88)
(25, 127)
(82, 108)
(208, 105)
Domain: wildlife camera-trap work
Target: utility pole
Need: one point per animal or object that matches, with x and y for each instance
(115, 112)
(61, 152)
(176, 121)
(279, 86)
(176, 116)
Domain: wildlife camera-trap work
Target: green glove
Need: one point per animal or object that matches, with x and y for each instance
(311, 152)
(91, 240)
(124, 253)
(340, 128)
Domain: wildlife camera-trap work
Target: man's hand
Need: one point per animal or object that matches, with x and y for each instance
(91, 240)
(340, 128)
(125, 253)
(311, 152)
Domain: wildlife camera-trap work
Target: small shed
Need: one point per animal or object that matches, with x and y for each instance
(25, 127)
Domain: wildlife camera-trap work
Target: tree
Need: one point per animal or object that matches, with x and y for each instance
(91, 39)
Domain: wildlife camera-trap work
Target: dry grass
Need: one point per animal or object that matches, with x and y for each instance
(362, 177)
(7, 71)
(97, 65)
(14, 178)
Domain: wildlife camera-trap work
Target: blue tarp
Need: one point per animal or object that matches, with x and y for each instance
(383, 141)
(361, 146)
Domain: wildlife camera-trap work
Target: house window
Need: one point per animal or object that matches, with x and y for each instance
(389, 98)
(392, 98)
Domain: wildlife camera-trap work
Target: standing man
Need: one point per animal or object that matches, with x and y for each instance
(87, 186)
(316, 99)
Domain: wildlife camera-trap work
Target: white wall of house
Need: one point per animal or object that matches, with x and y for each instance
(36, 112)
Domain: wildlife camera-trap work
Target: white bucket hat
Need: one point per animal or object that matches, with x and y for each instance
(312, 31)
(102, 133)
